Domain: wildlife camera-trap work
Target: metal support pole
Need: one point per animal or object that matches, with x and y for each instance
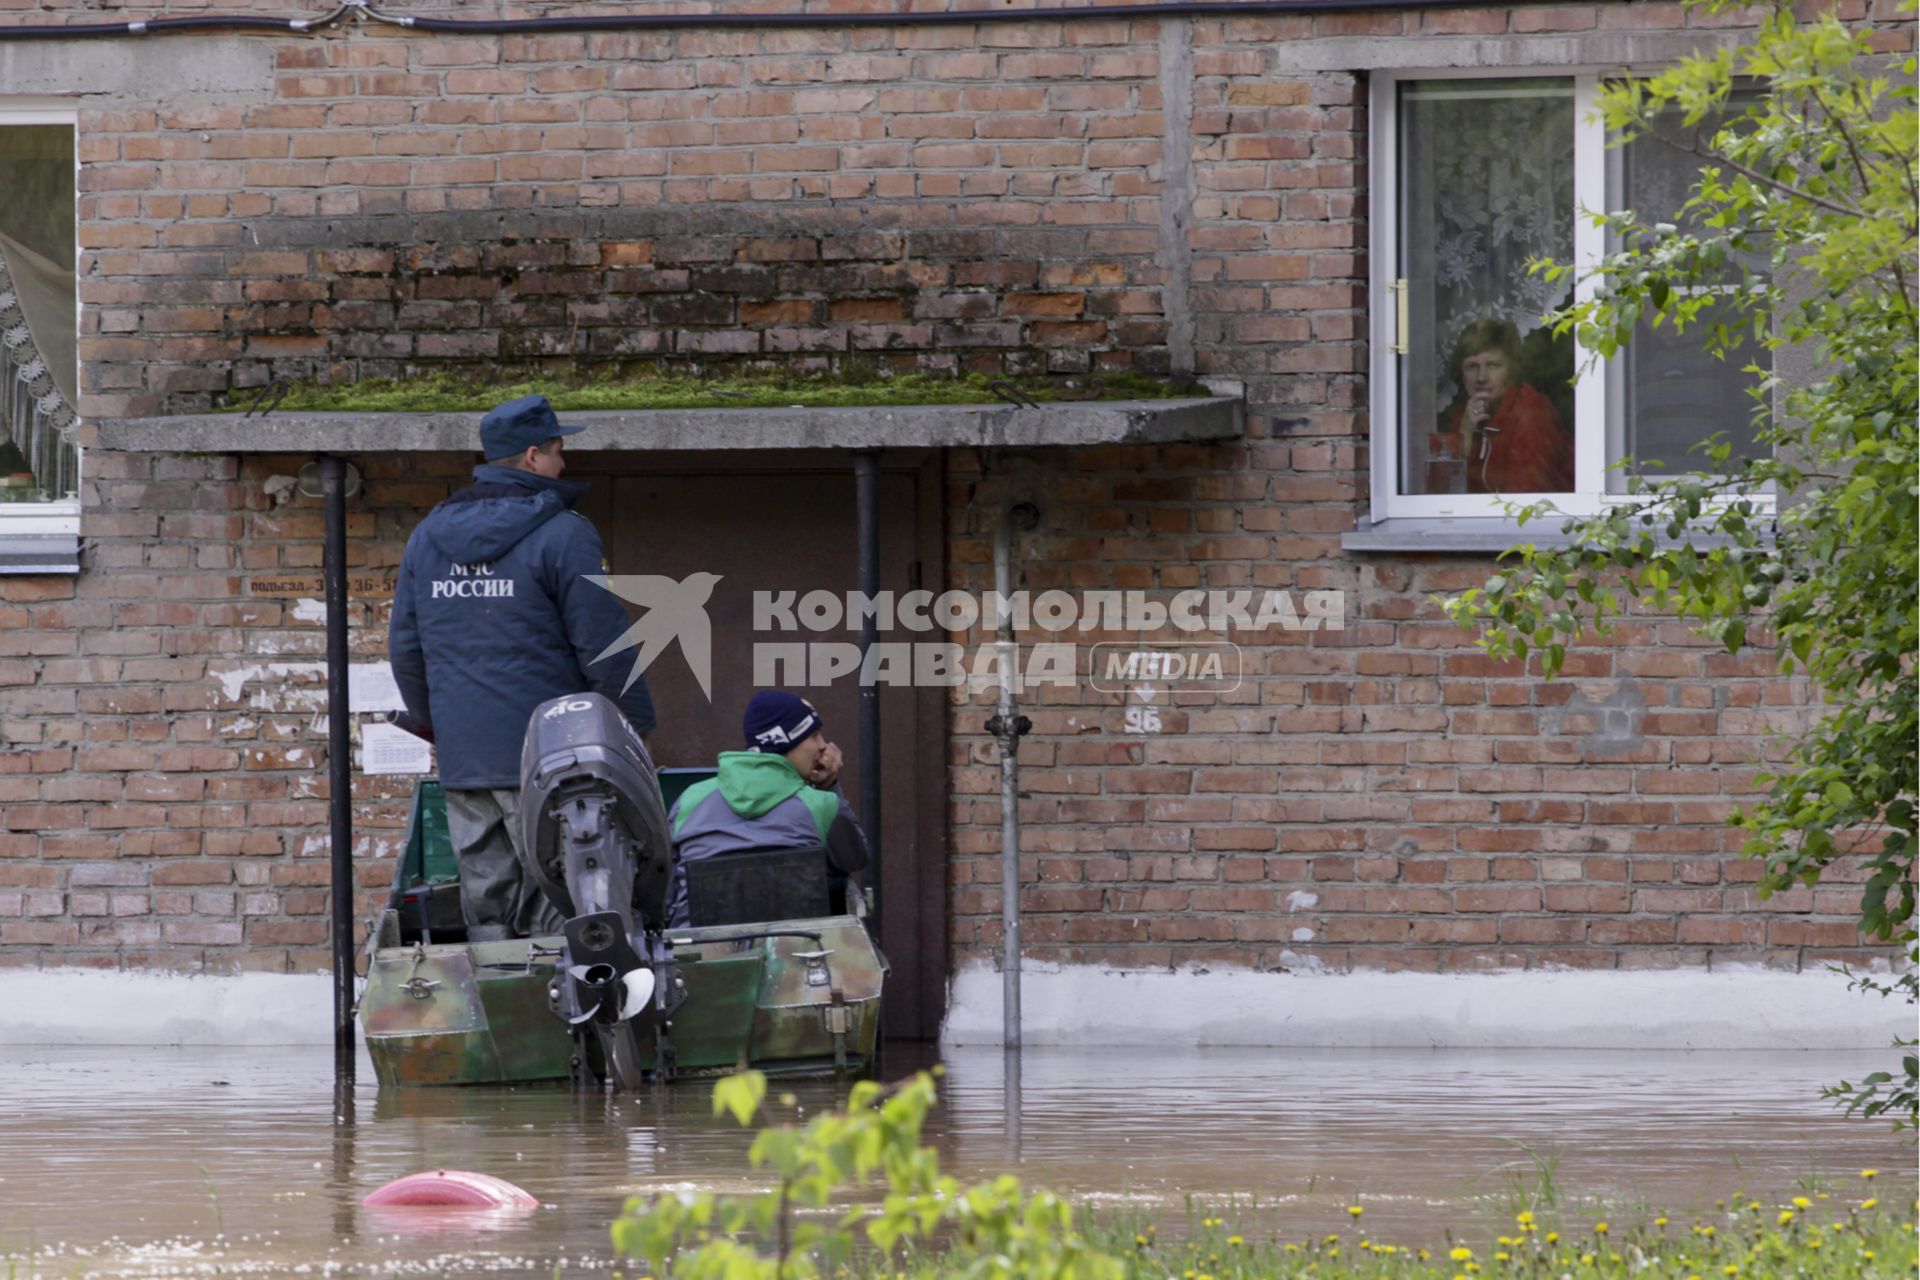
(866, 474)
(1010, 1101)
(1009, 727)
(333, 489)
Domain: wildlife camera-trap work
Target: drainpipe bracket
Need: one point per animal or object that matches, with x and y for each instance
(998, 727)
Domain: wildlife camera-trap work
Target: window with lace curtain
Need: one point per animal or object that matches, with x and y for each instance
(39, 460)
(1476, 403)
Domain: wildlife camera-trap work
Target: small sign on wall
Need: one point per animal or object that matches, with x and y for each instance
(387, 748)
(287, 586)
(371, 687)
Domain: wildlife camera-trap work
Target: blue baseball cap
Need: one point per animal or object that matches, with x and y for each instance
(519, 425)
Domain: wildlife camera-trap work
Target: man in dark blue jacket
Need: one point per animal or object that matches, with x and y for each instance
(494, 614)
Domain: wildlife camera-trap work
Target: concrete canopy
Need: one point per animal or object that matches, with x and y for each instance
(1081, 422)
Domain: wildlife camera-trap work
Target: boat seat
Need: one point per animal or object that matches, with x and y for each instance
(755, 886)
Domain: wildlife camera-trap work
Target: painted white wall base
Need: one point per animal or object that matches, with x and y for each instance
(89, 1006)
(1737, 1008)
(1740, 1008)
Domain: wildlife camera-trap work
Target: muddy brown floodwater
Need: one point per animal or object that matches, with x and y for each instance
(150, 1162)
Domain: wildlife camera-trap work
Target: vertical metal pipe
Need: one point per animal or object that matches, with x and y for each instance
(1010, 1102)
(1009, 654)
(333, 490)
(866, 474)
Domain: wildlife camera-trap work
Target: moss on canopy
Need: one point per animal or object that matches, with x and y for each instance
(452, 393)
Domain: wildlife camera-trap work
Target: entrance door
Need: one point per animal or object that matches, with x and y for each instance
(785, 523)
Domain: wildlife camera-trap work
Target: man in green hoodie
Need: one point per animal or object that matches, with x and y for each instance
(782, 792)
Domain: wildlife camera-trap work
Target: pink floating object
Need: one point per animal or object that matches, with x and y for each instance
(452, 1188)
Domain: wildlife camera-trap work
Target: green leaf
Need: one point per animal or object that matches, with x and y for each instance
(739, 1095)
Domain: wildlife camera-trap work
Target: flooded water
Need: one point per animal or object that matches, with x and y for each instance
(143, 1162)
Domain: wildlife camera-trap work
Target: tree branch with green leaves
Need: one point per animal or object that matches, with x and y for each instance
(996, 1230)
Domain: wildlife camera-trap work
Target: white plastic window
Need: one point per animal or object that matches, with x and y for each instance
(1476, 403)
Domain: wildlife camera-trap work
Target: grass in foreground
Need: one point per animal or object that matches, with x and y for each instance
(452, 393)
(1745, 1239)
(819, 1221)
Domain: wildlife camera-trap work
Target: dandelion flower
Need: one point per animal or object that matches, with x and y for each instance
(1553, 1237)
(1786, 1217)
(1599, 1228)
(1503, 1257)
(1869, 1174)
(1524, 1218)
(1659, 1222)
(1586, 1259)
(1355, 1210)
(1801, 1202)
(1460, 1253)
(1869, 1202)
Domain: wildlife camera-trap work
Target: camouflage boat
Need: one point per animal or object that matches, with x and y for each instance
(615, 999)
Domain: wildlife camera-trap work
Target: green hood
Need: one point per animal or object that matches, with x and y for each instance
(752, 782)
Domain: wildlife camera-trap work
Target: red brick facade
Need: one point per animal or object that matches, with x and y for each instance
(1387, 789)
(985, 197)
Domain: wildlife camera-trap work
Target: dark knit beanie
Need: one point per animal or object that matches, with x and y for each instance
(777, 721)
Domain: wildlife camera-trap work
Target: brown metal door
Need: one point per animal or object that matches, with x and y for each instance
(780, 523)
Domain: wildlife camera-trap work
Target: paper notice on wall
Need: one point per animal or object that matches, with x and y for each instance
(386, 748)
(370, 687)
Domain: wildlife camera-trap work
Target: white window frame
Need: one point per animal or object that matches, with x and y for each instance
(1595, 389)
(62, 515)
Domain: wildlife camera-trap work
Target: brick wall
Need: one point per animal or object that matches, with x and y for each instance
(989, 197)
(983, 196)
(163, 789)
(937, 196)
(1384, 796)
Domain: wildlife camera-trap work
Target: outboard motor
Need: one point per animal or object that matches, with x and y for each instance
(594, 838)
